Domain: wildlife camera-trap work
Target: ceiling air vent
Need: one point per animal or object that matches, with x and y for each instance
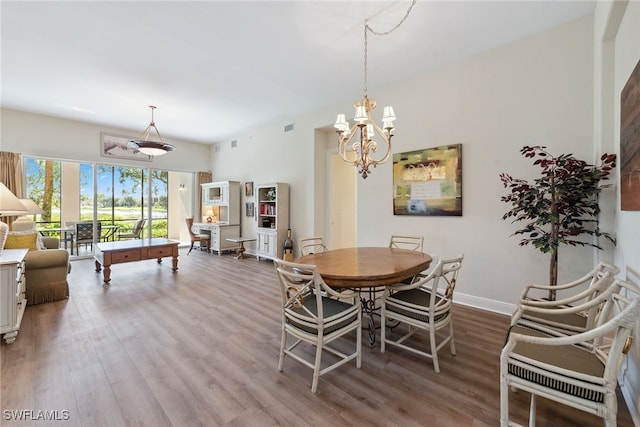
(234, 143)
(288, 128)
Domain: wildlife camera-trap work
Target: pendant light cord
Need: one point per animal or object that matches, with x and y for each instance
(380, 33)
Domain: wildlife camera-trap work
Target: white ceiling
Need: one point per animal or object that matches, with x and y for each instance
(218, 68)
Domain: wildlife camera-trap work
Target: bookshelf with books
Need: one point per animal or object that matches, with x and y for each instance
(273, 219)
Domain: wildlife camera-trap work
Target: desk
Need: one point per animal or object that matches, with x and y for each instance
(241, 240)
(108, 253)
(67, 231)
(359, 268)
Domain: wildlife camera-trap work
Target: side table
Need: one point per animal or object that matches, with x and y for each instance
(241, 240)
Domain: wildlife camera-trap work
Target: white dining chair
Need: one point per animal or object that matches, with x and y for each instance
(413, 243)
(311, 245)
(315, 314)
(425, 305)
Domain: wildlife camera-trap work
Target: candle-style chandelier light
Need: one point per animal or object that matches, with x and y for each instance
(364, 125)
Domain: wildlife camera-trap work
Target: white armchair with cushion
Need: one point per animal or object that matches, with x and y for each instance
(423, 305)
(536, 310)
(579, 370)
(315, 314)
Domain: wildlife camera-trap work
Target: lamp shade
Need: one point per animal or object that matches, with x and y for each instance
(32, 207)
(9, 204)
(152, 148)
(146, 145)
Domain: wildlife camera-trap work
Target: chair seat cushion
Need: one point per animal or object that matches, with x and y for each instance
(330, 307)
(571, 319)
(415, 297)
(569, 357)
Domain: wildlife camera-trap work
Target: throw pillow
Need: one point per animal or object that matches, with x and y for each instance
(39, 243)
(22, 241)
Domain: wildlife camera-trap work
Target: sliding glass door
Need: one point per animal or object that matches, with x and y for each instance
(110, 197)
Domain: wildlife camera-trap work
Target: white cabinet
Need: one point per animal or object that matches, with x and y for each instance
(12, 288)
(267, 244)
(273, 219)
(214, 193)
(220, 214)
(221, 202)
(219, 235)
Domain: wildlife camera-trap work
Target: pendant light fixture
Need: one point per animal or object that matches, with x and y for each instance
(145, 145)
(365, 128)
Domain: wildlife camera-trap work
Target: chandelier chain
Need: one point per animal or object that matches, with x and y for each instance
(364, 84)
(404, 18)
(379, 33)
(363, 153)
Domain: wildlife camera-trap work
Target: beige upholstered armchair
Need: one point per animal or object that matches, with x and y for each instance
(46, 266)
(46, 273)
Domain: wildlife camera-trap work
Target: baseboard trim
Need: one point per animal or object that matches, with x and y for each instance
(485, 303)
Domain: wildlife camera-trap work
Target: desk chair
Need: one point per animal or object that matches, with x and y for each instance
(202, 238)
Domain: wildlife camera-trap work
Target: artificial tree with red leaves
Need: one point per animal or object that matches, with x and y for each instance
(561, 206)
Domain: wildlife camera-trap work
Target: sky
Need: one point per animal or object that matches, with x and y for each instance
(105, 181)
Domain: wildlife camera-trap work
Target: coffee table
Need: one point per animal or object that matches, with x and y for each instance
(108, 253)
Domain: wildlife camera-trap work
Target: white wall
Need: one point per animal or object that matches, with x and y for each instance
(50, 137)
(534, 92)
(619, 23)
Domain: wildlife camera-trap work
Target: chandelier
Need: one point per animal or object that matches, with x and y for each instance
(145, 145)
(365, 127)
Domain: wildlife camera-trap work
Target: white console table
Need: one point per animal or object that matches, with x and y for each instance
(12, 288)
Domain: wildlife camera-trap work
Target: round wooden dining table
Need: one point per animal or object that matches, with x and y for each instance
(367, 267)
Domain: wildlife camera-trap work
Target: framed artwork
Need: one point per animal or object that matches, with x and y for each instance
(249, 209)
(630, 143)
(428, 182)
(117, 147)
(248, 189)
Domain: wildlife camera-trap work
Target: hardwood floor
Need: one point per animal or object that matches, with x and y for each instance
(200, 347)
